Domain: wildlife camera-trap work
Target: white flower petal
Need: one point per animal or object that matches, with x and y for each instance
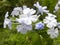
(24, 7)
(26, 11)
(45, 7)
(51, 15)
(26, 21)
(28, 27)
(32, 11)
(57, 6)
(46, 11)
(6, 15)
(49, 25)
(52, 36)
(34, 18)
(7, 22)
(46, 21)
(16, 11)
(24, 28)
(20, 28)
(4, 25)
(53, 32)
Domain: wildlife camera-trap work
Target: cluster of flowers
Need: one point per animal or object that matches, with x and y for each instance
(27, 16)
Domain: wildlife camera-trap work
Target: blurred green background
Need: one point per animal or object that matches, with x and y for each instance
(12, 37)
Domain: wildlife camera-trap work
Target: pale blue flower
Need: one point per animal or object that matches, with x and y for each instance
(40, 8)
(50, 21)
(7, 22)
(16, 11)
(24, 28)
(28, 16)
(39, 25)
(53, 32)
(57, 6)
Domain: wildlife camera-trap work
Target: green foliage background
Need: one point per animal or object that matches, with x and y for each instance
(12, 37)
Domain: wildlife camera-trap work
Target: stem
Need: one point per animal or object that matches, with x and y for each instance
(50, 42)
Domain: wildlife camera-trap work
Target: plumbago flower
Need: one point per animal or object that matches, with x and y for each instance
(39, 25)
(16, 11)
(26, 20)
(53, 32)
(50, 20)
(28, 11)
(57, 6)
(27, 17)
(23, 28)
(41, 9)
(7, 22)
